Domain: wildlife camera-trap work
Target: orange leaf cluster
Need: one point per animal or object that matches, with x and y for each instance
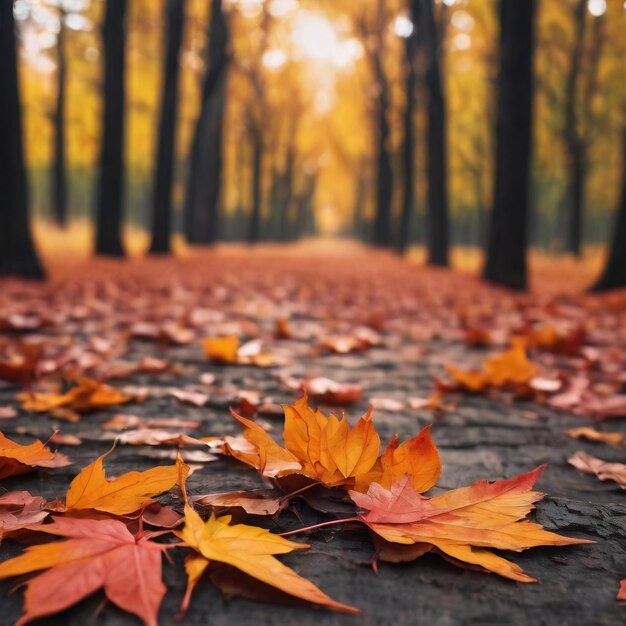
(327, 449)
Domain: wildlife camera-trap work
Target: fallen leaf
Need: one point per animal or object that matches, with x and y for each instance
(327, 391)
(18, 459)
(508, 370)
(255, 502)
(87, 395)
(195, 398)
(119, 496)
(462, 523)
(621, 594)
(123, 421)
(96, 554)
(328, 450)
(602, 469)
(250, 550)
(591, 434)
(18, 509)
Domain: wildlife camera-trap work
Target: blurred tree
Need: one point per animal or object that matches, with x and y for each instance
(408, 146)
(205, 162)
(256, 114)
(110, 191)
(17, 253)
(59, 168)
(382, 235)
(506, 246)
(437, 179)
(163, 176)
(614, 273)
(579, 90)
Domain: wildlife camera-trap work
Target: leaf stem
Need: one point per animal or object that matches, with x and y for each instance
(332, 522)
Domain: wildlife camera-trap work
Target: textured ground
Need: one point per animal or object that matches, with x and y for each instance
(417, 316)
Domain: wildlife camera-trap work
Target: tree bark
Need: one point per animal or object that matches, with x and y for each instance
(162, 186)
(59, 169)
(506, 247)
(574, 145)
(614, 274)
(408, 148)
(254, 230)
(383, 235)
(17, 252)
(436, 168)
(205, 167)
(110, 193)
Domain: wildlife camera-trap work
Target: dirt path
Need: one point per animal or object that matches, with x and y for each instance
(415, 315)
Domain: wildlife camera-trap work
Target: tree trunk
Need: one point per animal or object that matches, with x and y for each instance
(17, 253)
(205, 173)
(110, 193)
(573, 141)
(59, 173)
(383, 235)
(614, 274)
(254, 231)
(408, 148)
(506, 247)
(436, 168)
(286, 192)
(162, 190)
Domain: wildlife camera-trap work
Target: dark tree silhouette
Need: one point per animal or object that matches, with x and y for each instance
(408, 147)
(506, 246)
(111, 186)
(59, 169)
(256, 139)
(162, 186)
(205, 165)
(382, 235)
(578, 95)
(614, 274)
(436, 167)
(17, 253)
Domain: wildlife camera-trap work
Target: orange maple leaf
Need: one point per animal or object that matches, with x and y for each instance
(462, 523)
(123, 495)
(96, 554)
(18, 459)
(327, 449)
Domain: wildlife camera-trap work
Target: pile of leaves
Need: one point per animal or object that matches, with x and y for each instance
(110, 534)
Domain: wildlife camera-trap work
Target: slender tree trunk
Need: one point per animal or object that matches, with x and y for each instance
(383, 234)
(254, 231)
(59, 173)
(286, 191)
(436, 168)
(162, 186)
(408, 148)
(573, 141)
(110, 193)
(614, 274)
(359, 202)
(17, 252)
(205, 173)
(506, 247)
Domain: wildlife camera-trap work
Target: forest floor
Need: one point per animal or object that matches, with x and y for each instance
(385, 328)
